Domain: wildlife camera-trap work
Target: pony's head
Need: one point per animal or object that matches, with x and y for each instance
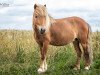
(41, 18)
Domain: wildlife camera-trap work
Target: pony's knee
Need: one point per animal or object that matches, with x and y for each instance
(42, 58)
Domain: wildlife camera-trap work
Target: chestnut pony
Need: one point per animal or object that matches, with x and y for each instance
(59, 32)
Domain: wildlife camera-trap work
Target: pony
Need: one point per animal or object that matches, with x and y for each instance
(60, 32)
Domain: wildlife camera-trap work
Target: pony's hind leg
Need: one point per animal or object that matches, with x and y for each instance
(86, 55)
(79, 52)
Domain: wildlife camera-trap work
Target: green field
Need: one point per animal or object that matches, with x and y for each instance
(20, 55)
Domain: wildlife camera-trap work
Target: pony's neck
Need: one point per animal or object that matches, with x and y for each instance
(52, 20)
(48, 23)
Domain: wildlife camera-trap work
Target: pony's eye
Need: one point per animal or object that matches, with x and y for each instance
(36, 16)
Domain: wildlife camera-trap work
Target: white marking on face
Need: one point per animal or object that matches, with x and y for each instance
(46, 26)
(41, 27)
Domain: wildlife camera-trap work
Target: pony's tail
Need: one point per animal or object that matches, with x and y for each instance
(90, 44)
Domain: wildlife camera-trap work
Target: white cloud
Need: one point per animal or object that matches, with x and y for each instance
(3, 10)
(95, 28)
(23, 2)
(87, 4)
(20, 18)
(6, 1)
(20, 11)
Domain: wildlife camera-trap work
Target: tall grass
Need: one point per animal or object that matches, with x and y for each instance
(20, 55)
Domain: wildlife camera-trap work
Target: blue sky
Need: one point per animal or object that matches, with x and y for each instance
(18, 15)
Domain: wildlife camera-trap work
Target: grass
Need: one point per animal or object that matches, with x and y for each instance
(20, 55)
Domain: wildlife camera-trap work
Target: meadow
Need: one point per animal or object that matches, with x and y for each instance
(20, 55)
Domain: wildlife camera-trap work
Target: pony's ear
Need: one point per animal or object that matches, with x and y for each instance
(35, 6)
(45, 5)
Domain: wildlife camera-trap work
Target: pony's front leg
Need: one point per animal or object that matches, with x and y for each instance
(43, 64)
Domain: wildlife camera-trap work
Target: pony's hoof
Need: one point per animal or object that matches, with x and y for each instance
(40, 70)
(87, 68)
(76, 68)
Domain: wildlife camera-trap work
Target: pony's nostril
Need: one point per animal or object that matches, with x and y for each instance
(42, 31)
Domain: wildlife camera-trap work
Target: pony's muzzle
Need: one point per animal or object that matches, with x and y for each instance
(42, 30)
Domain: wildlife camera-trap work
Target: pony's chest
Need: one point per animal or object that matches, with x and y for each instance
(39, 38)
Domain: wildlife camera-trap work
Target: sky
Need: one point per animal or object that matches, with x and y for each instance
(17, 14)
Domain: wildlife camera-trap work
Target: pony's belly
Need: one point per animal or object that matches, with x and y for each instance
(62, 38)
(60, 42)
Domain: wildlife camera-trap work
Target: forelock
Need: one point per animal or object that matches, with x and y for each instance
(41, 10)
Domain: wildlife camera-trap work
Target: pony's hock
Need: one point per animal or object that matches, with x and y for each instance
(71, 29)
